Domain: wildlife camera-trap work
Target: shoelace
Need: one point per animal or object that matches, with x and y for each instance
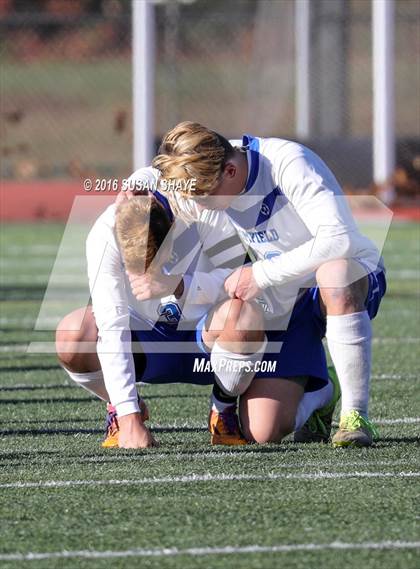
(110, 420)
(355, 420)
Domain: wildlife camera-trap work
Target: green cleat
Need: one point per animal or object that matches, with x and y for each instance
(317, 428)
(354, 430)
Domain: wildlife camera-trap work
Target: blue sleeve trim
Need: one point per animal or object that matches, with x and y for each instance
(252, 144)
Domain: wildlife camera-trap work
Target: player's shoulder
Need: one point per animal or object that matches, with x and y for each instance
(103, 228)
(280, 148)
(274, 151)
(148, 174)
(293, 159)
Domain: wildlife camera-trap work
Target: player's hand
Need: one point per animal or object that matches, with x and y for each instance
(155, 285)
(241, 284)
(133, 433)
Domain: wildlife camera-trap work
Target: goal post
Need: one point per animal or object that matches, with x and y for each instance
(383, 30)
(143, 59)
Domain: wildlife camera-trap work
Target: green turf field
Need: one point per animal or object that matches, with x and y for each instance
(187, 505)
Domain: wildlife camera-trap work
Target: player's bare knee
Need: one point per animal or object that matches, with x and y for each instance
(244, 326)
(68, 348)
(72, 337)
(262, 434)
(340, 293)
(256, 430)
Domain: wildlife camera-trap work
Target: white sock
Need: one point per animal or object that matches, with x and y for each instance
(92, 381)
(311, 401)
(349, 338)
(234, 372)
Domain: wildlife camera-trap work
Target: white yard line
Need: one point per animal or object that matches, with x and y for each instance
(71, 278)
(29, 321)
(194, 478)
(30, 250)
(394, 340)
(14, 348)
(401, 421)
(245, 454)
(396, 376)
(202, 551)
(36, 262)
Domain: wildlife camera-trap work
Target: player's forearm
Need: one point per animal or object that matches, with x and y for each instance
(117, 363)
(302, 260)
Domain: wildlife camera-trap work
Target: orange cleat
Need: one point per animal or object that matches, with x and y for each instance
(224, 428)
(112, 427)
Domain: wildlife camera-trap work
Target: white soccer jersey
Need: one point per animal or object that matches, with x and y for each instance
(198, 249)
(293, 216)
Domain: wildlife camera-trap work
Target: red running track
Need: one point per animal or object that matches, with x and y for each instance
(53, 200)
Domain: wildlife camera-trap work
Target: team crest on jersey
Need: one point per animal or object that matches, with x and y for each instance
(265, 210)
(170, 311)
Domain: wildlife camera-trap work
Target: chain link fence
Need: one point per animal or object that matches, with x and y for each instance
(66, 80)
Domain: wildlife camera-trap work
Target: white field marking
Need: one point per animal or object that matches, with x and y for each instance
(194, 478)
(36, 262)
(244, 454)
(398, 376)
(29, 321)
(202, 551)
(189, 424)
(379, 421)
(33, 249)
(14, 348)
(393, 340)
(201, 426)
(70, 279)
(23, 279)
(402, 421)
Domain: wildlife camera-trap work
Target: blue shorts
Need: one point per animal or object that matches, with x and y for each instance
(302, 352)
(168, 367)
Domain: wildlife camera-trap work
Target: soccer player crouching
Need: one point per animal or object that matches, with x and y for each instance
(145, 308)
(292, 215)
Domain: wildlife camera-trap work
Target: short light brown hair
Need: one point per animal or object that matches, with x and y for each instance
(193, 151)
(141, 225)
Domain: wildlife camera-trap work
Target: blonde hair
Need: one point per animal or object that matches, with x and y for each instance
(141, 225)
(191, 151)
